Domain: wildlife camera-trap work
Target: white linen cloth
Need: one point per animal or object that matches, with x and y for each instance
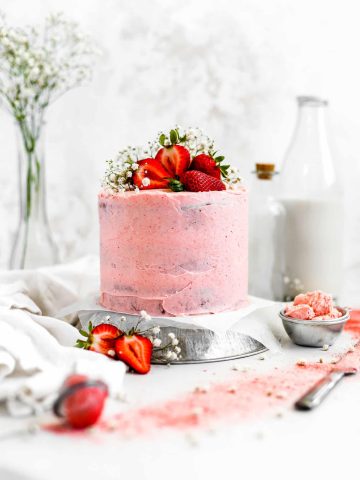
(36, 350)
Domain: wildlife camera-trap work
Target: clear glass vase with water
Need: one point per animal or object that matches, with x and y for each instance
(33, 244)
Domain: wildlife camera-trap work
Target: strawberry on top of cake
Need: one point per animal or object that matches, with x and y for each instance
(315, 305)
(183, 160)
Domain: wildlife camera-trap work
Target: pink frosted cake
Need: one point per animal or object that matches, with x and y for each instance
(172, 253)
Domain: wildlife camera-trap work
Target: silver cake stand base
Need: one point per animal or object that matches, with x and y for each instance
(198, 345)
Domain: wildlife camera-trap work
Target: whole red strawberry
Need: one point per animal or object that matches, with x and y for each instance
(195, 181)
(150, 174)
(206, 164)
(174, 158)
(100, 339)
(81, 401)
(135, 350)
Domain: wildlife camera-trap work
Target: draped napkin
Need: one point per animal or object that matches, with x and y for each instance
(36, 350)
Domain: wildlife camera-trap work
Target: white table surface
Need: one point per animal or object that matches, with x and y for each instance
(324, 443)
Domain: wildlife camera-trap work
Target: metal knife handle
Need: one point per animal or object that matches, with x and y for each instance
(319, 391)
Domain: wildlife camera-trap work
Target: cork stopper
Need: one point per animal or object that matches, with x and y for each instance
(265, 171)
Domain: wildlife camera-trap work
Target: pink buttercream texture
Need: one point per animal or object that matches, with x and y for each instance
(174, 254)
(315, 305)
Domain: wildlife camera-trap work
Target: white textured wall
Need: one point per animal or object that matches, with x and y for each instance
(231, 67)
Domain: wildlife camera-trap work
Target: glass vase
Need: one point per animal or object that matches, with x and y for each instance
(33, 246)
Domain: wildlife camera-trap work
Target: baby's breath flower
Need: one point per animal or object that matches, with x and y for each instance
(156, 330)
(157, 342)
(40, 64)
(145, 316)
(233, 178)
(146, 181)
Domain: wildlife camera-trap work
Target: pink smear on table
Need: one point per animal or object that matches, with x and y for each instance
(243, 399)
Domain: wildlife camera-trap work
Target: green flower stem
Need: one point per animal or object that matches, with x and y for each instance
(32, 182)
(33, 165)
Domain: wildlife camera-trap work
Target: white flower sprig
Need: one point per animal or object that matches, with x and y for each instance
(38, 64)
(192, 138)
(233, 178)
(169, 351)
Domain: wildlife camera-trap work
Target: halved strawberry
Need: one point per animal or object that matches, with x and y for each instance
(81, 401)
(100, 339)
(175, 158)
(151, 174)
(206, 164)
(195, 181)
(135, 350)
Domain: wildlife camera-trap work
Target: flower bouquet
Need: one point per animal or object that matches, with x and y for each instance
(38, 64)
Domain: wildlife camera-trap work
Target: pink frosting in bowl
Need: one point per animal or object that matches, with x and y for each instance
(174, 254)
(315, 306)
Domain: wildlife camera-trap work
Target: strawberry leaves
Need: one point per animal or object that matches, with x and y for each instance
(218, 160)
(162, 139)
(85, 344)
(175, 185)
(174, 137)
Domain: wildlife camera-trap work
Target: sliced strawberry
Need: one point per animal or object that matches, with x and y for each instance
(206, 164)
(195, 181)
(150, 174)
(100, 339)
(175, 158)
(81, 401)
(135, 351)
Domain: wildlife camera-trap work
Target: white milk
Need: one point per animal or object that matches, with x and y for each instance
(313, 246)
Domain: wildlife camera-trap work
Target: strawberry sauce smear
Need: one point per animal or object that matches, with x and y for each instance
(244, 399)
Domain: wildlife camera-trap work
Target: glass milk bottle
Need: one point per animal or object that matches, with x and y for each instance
(311, 193)
(266, 219)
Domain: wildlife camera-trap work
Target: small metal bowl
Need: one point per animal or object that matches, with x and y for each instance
(310, 333)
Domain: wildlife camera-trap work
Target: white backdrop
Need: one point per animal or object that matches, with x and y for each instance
(232, 67)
